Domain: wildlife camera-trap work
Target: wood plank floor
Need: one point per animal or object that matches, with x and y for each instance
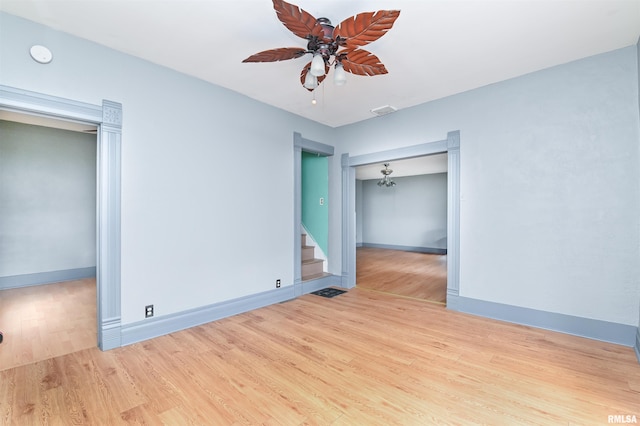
(361, 358)
(45, 321)
(409, 274)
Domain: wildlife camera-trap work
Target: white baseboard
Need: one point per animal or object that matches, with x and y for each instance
(319, 284)
(637, 346)
(39, 278)
(155, 327)
(621, 334)
(428, 250)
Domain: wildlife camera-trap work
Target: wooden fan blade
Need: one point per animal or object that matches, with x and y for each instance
(274, 55)
(305, 70)
(361, 62)
(298, 21)
(366, 27)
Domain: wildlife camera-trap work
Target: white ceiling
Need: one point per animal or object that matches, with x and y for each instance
(410, 167)
(435, 49)
(37, 120)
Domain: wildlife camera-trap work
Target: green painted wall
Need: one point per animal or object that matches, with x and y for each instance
(315, 185)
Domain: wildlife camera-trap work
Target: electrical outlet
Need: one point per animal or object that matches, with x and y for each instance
(148, 311)
(278, 283)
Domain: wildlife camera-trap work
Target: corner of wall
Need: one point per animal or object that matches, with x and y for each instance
(637, 346)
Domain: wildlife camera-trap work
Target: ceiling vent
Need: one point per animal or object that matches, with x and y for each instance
(384, 110)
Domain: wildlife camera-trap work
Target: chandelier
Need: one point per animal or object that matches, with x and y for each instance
(386, 180)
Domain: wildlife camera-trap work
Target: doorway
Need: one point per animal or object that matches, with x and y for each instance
(324, 279)
(48, 259)
(315, 215)
(450, 146)
(401, 227)
(107, 118)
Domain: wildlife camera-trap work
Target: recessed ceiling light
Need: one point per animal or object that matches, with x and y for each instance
(384, 110)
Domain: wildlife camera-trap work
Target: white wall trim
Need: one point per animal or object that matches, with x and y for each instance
(108, 194)
(416, 249)
(159, 326)
(301, 144)
(453, 214)
(108, 118)
(49, 277)
(155, 327)
(637, 346)
(621, 334)
(320, 283)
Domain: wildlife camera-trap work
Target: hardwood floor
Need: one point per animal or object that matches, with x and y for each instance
(361, 358)
(46, 321)
(409, 274)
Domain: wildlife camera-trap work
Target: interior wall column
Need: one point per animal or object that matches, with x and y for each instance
(109, 186)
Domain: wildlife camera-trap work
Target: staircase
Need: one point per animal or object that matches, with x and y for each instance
(311, 267)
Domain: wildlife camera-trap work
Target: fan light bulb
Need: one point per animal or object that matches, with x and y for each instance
(339, 75)
(310, 81)
(317, 65)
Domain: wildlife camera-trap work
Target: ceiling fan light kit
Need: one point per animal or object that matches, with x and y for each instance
(317, 65)
(339, 75)
(339, 46)
(310, 81)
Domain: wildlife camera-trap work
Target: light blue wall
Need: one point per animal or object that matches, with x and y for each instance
(550, 184)
(190, 234)
(550, 178)
(47, 200)
(412, 214)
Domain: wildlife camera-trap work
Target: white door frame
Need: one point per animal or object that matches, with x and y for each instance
(108, 118)
(301, 144)
(451, 146)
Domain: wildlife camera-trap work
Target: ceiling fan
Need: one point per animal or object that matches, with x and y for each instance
(330, 46)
